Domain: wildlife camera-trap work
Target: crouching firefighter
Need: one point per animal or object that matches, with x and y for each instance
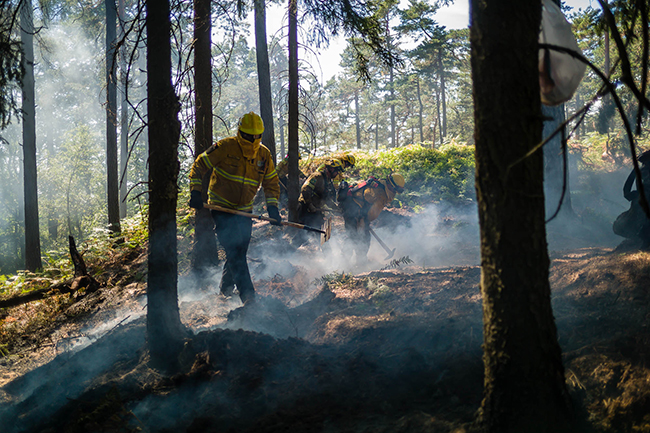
(240, 165)
(315, 195)
(362, 203)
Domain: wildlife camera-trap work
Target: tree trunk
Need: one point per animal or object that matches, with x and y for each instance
(264, 77)
(293, 187)
(32, 231)
(124, 117)
(420, 110)
(112, 188)
(607, 60)
(377, 135)
(164, 330)
(443, 97)
(437, 120)
(524, 376)
(205, 254)
(357, 121)
(393, 133)
(282, 151)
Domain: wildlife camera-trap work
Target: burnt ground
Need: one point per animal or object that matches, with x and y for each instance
(392, 349)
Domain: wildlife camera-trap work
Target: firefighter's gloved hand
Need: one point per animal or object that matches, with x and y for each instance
(312, 208)
(196, 201)
(274, 213)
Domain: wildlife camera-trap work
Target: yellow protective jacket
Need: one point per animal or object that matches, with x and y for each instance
(374, 197)
(283, 167)
(239, 168)
(316, 192)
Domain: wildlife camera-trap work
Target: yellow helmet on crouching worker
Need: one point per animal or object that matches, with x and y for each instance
(396, 182)
(348, 160)
(251, 123)
(335, 164)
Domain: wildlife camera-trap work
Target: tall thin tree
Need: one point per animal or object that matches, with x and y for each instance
(204, 252)
(357, 119)
(32, 231)
(264, 76)
(124, 116)
(524, 376)
(112, 188)
(164, 329)
(293, 186)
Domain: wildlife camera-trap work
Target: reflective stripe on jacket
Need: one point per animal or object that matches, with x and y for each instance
(316, 190)
(239, 168)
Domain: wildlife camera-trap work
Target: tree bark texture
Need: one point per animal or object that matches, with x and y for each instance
(32, 230)
(393, 124)
(443, 97)
(293, 188)
(164, 330)
(112, 183)
(420, 109)
(204, 251)
(357, 119)
(524, 376)
(124, 116)
(264, 77)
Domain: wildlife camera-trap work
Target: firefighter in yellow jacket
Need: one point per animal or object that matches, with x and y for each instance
(316, 195)
(362, 203)
(240, 165)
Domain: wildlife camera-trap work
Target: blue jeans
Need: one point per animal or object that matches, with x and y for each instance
(234, 234)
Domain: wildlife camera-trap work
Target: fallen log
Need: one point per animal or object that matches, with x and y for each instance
(81, 281)
(69, 286)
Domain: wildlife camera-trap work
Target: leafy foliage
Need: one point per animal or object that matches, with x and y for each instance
(431, 175)
(335, 279)
(396, 263)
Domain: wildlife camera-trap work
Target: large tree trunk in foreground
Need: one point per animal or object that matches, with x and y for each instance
(164, 330)
(524, 377)
(204, 251)
(32, 231)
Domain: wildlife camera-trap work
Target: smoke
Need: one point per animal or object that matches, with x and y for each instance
(39, 394)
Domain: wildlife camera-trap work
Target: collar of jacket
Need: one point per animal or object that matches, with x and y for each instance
(249, 150)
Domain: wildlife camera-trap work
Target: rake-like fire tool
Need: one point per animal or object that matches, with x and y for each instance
(388, 250)
(325, 231)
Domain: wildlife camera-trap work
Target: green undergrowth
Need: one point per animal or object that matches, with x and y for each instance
(100, 247)
(432, 175)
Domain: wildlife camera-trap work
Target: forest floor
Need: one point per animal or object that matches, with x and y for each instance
(394, 347)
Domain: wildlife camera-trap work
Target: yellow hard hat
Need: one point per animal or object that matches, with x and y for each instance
(396, 180)
(251, 123)
(348, 160)
(335, 164)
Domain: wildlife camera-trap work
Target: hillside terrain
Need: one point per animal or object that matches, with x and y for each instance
(331, 346)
